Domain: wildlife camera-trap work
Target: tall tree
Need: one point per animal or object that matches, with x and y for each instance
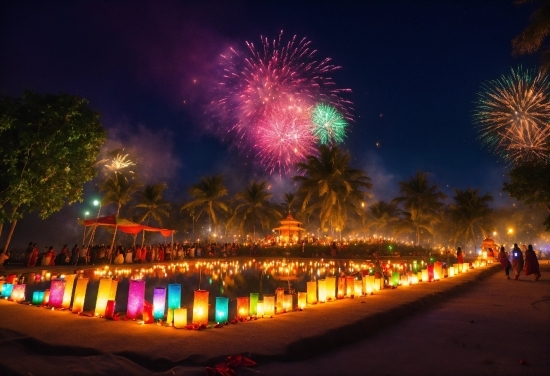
(535, 36)
(119, 191)
(382, 215)
(471, 215)
(330, 188)
(289, 199)
(253, 207)
(49, 146)
(152, 205)
(421, 201)
(207, 197)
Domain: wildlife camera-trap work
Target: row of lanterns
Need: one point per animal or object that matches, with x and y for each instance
(60, 295)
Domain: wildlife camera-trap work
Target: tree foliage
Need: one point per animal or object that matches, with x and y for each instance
(535, 36)
(48, 149)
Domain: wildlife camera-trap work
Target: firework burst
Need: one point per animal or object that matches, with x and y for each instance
(329, 124)
(283, 137)
(261, 81)
(119, 163)
(513, 114)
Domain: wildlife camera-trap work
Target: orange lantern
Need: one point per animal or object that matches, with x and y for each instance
(79, 295)
(200, 307)
(280, 292)
(358, 291)
(68, 293)
(287, 305)
(243, 304)
(341, 287)
(269, 305)
(350, 286)
(302, 300)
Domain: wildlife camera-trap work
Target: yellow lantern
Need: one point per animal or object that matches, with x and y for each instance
(103, 292)
(331, 288)
(377, 284)
(68, 293)
(341, 287)
(350, 286)
(311, 292)
(425, 275)
(358, 290)
(79, 295)
(465, 267)
(260, 308)
(287, 305)
(322, 290)
(438, 270)
(170, 316)
(404, 280)
(200, 308)
(280, 292)
(368, 284)
(180, 317)
(414, 278)
(112, 291)
(458, 268)
(451, 271)
(302, 300)
(269, 305)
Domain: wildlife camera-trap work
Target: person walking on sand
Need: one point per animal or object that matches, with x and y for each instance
(517, 260)
(503, 259)
(531, 263)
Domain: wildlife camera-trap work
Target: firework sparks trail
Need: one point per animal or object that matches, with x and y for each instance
(278, 74)
(284, 137)
(329, 125)
(513, 114)
(119, 162)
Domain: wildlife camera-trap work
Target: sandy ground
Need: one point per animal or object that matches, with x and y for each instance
(476, 323)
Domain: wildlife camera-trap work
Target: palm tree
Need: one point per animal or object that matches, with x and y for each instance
(150, 199)
(330, 188)
(471, 214)
(289, 201)
(118, 190)
(382, 215)
(207, 198)
(253, 206)
(421, 202)
(535, 36)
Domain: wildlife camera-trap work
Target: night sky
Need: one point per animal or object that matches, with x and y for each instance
(151, 68)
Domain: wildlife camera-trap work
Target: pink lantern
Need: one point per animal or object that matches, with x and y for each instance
(57, 289)
(136, 297)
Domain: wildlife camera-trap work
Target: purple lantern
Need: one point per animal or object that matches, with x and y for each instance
(136, 297)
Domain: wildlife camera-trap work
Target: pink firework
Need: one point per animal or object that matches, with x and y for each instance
(276, 74)
(284, 137)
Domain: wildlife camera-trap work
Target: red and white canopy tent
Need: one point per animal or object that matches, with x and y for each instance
(126, 226)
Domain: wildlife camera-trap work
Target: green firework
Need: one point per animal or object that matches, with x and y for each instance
(329, 124)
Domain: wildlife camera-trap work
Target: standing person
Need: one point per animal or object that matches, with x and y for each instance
(517, 260)
(503, 259)
(74, 254)
(459, 255)
(531, 263)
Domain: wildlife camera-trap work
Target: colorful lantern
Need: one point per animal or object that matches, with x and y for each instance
(37, 297)
(18, 293)
(46, 300)
(331, 288)
(222, 309)
(110, 309)
(358, 291)
(180, 316)
(174, 295)
(243, 304)
(425, 275)
(377, 284)
(350, 286)
(103, 293)
(200, 307)
(57, 289)
(159, 302)
(394, 279)
(369, 285)
(438, 270)
(341, 287)
(430, 273)
(311, 292)
(288, 300)
(254, 296)
(112, 290)
(458, 268)
(136, 298)
(6, 290)
(451, 271)
(12, 278)
(260, 308)
(1, 287)
(465, 267)
(269, 305)
(302, 300)
(322, 290)
(280, 293)
(170, 316)
(68, 293)
(404, 280)
(148, 317)
(79, 295)
(414, 278)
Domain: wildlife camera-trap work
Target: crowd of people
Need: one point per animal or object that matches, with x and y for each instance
(521, 260)
(103, 254)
